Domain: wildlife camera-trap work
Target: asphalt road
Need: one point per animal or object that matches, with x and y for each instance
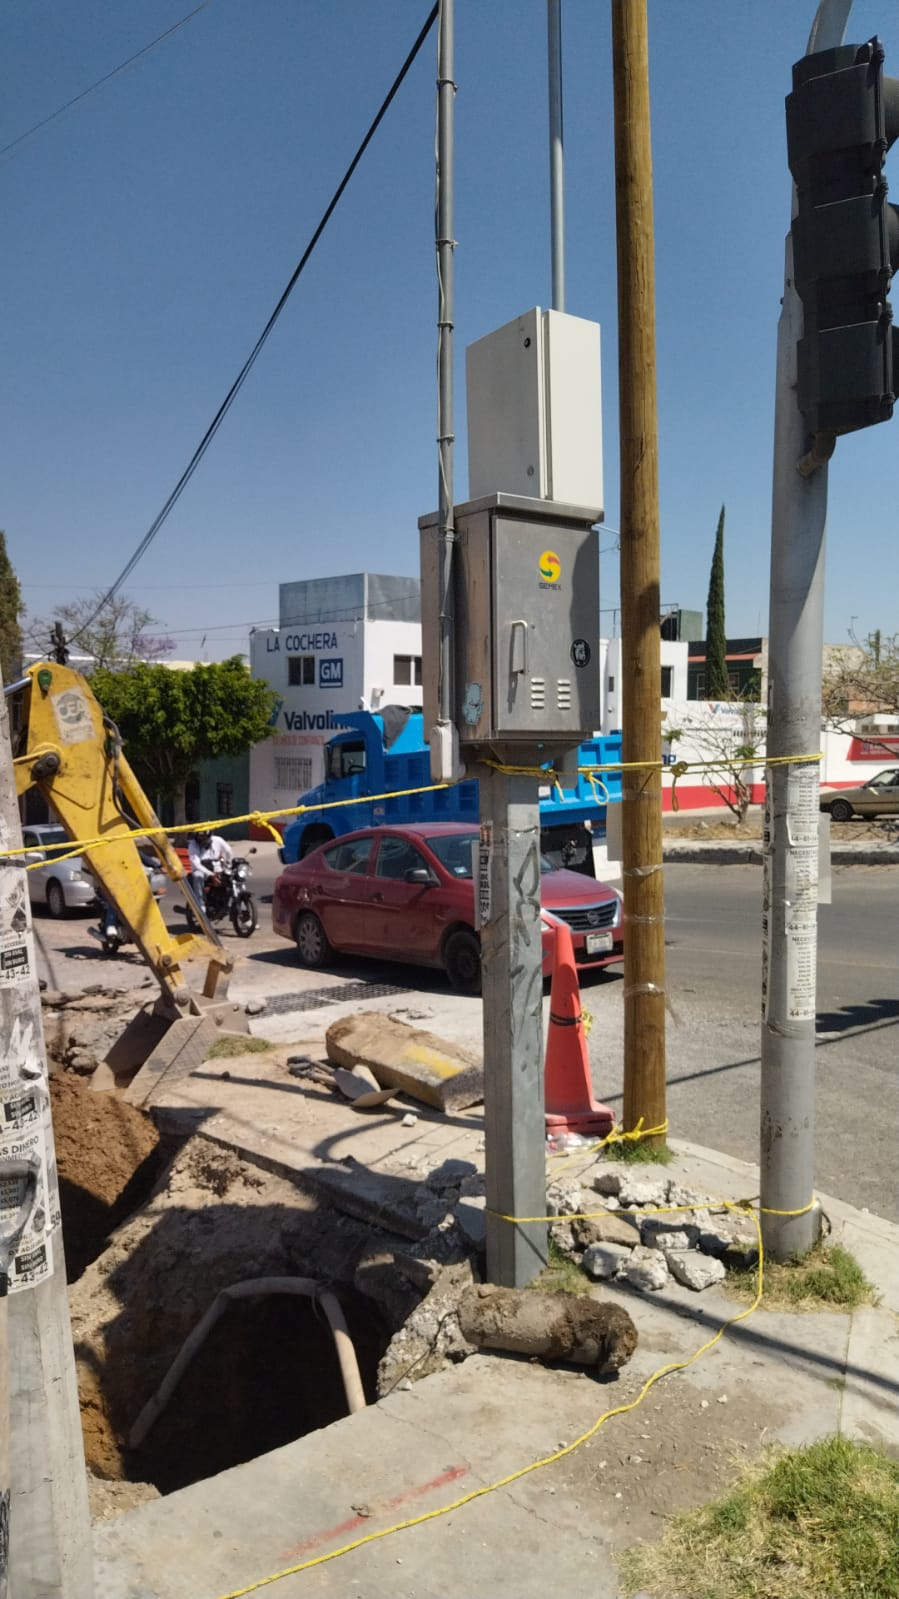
(713, 918)
(713, 983)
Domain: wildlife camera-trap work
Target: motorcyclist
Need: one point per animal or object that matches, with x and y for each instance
(208, 854)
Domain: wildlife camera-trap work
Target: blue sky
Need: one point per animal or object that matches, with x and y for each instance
(150, 231)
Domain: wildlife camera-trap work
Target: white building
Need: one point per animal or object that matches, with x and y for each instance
(342, 643)
(673, 684)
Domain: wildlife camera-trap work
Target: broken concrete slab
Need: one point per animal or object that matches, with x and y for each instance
(606, 1230)
(431, 1339)
(695, 1271)
(602, 1261)
(407, 1059)
(646, 1268)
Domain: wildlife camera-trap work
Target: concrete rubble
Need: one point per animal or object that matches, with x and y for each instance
(688, 1241)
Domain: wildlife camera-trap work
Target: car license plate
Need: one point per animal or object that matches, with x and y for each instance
(595, 942)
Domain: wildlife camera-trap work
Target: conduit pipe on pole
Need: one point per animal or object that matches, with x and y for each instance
(556, 152)
(445, 245)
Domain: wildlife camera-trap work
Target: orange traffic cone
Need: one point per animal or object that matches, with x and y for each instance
(568, 1091)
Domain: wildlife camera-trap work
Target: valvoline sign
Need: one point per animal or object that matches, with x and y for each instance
(330, 671)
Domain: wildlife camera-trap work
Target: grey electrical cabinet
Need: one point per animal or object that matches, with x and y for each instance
(526, 624)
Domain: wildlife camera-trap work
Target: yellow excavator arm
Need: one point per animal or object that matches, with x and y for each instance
(65, 746)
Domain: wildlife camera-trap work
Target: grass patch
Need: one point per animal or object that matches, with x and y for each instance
(231, 1044)
(640, 1152)
(814, 1523)
(561, 1274)
(827, 1277)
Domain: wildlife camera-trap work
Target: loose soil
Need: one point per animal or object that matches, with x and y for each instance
(109, 1157)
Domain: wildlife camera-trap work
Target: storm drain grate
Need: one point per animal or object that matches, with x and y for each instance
(319, 998)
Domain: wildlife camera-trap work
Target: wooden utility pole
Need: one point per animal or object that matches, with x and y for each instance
(45, 1537)
(641, 811)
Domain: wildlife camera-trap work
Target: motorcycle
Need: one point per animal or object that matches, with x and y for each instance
(227, 894)
(111, 932)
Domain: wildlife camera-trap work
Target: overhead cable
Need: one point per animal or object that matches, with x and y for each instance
(106, 78)
(236, 386)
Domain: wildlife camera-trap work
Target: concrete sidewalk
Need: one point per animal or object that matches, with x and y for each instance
(772, 1377)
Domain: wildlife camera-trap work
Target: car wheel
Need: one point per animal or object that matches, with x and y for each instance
(56, 899)
(313, 947)
(841, 810)
(462, 959)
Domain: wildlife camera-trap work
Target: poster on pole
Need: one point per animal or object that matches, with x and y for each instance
(798, 912)
(483, 866)
(29, 1188)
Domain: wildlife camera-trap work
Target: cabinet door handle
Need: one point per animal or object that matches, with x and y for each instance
(519, 648)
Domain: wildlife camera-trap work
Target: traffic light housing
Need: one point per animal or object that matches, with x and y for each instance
(58, 644)
(842, 117)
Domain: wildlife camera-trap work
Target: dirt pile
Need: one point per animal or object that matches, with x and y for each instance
(109, 1158)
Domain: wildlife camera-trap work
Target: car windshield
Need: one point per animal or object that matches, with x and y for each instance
(53, 842)
(884, 779)
(453, 851)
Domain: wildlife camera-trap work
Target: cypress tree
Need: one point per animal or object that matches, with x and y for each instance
(11, 608)
(716, 678)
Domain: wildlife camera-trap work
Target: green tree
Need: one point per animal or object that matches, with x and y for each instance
(11, 608)
(117, 634)
(170, 720)
(716, 678)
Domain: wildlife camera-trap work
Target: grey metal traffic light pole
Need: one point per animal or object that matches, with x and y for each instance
(795, 633)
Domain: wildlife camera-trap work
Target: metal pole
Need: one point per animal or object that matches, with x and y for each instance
(512, 967)
(641, 808)
(445, 242)
(795, 648)
(556, 151)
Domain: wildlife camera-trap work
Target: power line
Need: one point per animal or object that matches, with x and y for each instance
(106, 78)
(236, 386)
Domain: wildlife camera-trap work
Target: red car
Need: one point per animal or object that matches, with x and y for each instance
(406, 893)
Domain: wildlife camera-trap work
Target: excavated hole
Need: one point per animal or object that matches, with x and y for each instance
(268, 1372)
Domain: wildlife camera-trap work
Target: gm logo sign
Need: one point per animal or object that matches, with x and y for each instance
(330, 671)
(550, 569)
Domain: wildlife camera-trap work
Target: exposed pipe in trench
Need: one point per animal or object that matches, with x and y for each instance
(255, 1288)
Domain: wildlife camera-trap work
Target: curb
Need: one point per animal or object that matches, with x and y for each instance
(696, 853)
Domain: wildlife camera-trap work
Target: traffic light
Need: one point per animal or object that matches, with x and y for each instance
(58, 648)
(842, 117)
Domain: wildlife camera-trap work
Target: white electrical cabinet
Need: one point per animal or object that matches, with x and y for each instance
(534, 406)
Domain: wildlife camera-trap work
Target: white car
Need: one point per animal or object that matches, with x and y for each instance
(60, 885)
(65, 885)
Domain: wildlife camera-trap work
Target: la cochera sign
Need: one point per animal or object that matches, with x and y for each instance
(300, 643)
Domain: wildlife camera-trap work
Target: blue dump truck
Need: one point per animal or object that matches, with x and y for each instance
(381, 756)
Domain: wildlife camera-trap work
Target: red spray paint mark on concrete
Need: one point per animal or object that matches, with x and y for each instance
(355, 1523)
